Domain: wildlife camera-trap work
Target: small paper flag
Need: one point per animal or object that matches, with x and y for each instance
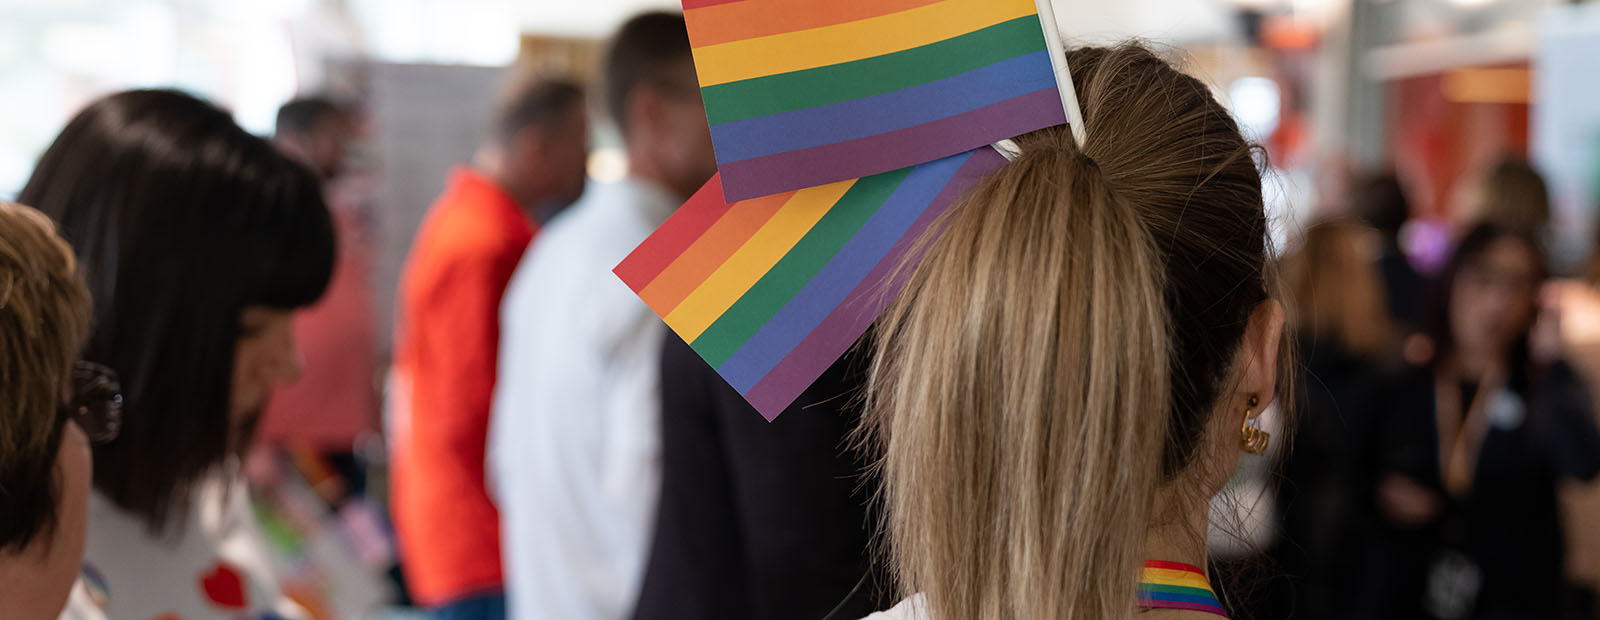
(772, 290)
(801, 93)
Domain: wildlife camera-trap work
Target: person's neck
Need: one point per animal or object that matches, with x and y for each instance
(530, 199)
(1472, 366)
(1182, 540)
(644, 168)
(1179, 537)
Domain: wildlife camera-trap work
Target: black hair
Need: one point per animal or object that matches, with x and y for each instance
(302, 115)
(1381, 200)
(541, 103)
(1468, 253)
(644, 52)
(180, 219)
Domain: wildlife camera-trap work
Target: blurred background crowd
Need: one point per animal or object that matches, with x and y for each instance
(1434, 176)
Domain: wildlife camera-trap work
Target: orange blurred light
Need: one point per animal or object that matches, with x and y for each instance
(1488, 85)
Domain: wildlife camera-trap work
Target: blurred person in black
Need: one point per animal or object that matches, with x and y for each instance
(1381, 201)
(759, 520)
(1344, 335)
(1472, 445)
(1578, 299)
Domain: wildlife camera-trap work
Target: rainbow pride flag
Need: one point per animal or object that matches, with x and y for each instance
(802, 93)
(771, 291)
(1175, 585)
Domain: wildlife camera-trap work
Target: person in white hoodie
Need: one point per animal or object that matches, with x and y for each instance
(574, 445)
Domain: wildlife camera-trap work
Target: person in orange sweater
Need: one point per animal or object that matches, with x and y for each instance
(447, 342)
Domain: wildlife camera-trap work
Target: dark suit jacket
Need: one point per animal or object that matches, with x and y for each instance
(759, 520)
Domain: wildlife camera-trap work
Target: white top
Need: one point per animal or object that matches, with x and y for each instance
(574, 442)
(216, 565)
(910, 609)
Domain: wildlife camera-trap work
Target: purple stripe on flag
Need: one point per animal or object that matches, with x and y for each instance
(1212, 609)
(860, 118)
(801, 314)
(823, 346)
(892, 150)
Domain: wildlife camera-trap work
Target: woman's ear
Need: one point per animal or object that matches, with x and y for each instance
(1261, 341)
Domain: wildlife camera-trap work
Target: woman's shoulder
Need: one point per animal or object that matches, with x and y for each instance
(913, 608)
(211, 564)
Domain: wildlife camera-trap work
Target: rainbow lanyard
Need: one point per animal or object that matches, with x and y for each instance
(1171, 585)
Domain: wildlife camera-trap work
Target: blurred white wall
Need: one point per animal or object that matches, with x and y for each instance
(1566, 123)
(1175, 21)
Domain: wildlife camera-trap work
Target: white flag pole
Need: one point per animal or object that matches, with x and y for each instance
(1058, 61)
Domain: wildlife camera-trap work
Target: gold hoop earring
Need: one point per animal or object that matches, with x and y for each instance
(1252, 439)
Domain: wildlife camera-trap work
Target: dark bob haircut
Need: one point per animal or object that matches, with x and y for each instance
(180, 220)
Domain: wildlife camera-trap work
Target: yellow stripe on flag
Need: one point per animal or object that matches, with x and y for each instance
(840, 43)
(757, 256)
(1167, 576)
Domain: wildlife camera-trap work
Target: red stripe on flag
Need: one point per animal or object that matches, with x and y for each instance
(676, 235)
(1188, 568)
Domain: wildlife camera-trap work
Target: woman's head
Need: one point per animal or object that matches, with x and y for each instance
(197, 240)
(1381, 200)
(1488, 295)
(1332, 279)
(44, 461)
(1511, 193)
(1070, 365)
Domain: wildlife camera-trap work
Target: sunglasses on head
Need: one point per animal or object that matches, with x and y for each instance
(96, 402)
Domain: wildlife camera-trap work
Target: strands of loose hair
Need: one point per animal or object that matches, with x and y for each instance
(1056, 358)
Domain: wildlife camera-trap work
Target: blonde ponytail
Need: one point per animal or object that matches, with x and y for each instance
(1023, 396)
(1049, 300)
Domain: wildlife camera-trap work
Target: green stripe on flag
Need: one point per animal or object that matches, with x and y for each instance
(791, 273)
(1166, 589)
(810, 88)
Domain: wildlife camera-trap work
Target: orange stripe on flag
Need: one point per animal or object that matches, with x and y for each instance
(749, 19)
(709, 252)
(700, 4)
(679, 232)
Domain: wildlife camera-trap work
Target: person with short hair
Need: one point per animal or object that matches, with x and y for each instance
(575, 449)
(532, 165)
(1509, 192)
(45, 463)
(317, 422)
(198, 242)
(317, 132)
